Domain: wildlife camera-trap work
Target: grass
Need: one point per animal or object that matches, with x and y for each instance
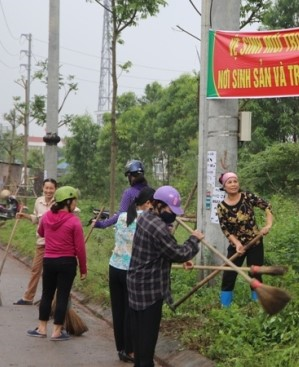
(241, 336)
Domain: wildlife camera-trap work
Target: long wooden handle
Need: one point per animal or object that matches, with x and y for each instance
(211, 275)
(218, 253)
(211, 267)
(91, 228)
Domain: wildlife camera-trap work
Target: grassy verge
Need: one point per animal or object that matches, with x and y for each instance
(243, 335)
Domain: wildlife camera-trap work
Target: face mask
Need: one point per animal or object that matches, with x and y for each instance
(168, 218)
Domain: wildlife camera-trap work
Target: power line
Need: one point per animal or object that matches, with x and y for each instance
(7, 26)
(7, 66)
(5, 49)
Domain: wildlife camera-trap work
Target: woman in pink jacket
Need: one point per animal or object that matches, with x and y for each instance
(64, 248)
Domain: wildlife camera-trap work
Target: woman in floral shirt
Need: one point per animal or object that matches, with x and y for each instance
(237, 222)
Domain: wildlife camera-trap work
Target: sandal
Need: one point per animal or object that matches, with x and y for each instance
(61, 337)
(36, 333)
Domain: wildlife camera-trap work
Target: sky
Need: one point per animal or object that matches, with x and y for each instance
(157, 49)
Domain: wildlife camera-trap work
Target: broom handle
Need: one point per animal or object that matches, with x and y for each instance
(261, 270)
(211, 275)
(92, 227)
(218, 253)
(10, 241)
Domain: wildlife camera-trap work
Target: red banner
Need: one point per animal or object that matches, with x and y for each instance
(253, 64)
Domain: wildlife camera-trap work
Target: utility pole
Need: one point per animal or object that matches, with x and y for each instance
(218, 125)
(52, 139)
(27, 110)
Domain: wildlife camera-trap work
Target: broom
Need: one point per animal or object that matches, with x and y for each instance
(212, 275)
(8, 246)
(253, 269)
(272, 299)
(73, 323)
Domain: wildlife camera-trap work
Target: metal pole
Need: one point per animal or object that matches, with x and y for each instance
(51, 139)
(218, 124)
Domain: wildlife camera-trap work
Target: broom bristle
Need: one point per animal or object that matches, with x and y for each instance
(73, 323)
(270, 270)
(272, 299)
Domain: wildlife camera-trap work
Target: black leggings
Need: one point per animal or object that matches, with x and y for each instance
(254, 256)
(120, 309)
(145, 326)
(58, 274)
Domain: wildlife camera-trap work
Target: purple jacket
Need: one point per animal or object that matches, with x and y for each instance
(127, 198)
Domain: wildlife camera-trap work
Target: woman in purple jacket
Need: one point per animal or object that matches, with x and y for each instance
(134, 170)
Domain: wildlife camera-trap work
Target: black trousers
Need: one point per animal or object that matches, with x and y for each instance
(120, 309)
(58, 274)
(254, 256)
(145, 327)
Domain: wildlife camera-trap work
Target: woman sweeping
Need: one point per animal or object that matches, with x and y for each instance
(238, 224)
(64, 245)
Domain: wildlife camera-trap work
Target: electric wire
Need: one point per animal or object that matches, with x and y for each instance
(6, 23)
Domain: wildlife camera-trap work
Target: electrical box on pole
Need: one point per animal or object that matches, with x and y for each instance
(245, 126)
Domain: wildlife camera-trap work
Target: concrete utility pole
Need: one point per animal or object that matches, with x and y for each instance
(27, 110)
(52, 139)
(218, 125)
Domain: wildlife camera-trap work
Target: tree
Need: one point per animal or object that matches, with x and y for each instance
(124, 14)
(81, 153)
(38, 104)
(274, 170)
(11, 142)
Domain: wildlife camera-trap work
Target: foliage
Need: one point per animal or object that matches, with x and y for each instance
(243, 335)
(81, 153)
(272, 170)
(252, 11)
(38, 104)
(282, 14)
(12, 144)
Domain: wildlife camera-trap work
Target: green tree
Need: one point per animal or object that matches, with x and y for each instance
(81, 153)
(38, 104)
(124, 14)
(274, 170)
(12, 143)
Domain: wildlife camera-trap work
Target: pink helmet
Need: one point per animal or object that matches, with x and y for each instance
(171, 197)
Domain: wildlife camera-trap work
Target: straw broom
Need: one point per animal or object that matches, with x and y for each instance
(9, 245)
(254, 269)
(272, 299)
(73, 323)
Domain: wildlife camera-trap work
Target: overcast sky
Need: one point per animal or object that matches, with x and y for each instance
(157, 49)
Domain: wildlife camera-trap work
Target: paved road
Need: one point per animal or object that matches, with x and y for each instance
(94, 348)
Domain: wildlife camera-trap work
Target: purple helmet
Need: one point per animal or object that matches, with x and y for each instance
(171, 197)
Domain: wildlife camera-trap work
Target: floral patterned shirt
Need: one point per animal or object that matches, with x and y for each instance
(239, 219)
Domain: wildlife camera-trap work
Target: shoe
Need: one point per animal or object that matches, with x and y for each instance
(23, 302)
(63, 336)
(124, 357)
(36, 333)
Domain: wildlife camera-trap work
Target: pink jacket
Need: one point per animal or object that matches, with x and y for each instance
(64, 236)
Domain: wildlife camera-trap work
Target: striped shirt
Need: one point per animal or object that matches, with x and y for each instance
(154, 249)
